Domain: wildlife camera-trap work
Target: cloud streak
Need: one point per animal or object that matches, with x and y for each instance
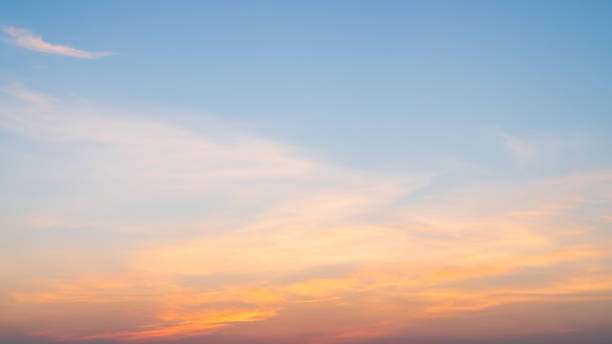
(26, 39)
(27, 95)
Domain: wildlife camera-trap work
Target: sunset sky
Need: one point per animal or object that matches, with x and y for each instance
(306, 172)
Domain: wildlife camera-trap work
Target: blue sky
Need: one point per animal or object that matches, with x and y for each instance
(264, 156)
(392, 77)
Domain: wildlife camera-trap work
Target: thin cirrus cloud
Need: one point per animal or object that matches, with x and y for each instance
(520, 149)
(29, 96)
(26, 39)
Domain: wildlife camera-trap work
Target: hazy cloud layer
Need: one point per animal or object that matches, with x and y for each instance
(183, 231)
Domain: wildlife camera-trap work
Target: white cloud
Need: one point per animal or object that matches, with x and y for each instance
(28, 40)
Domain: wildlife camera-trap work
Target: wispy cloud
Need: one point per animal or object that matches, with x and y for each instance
(28, 40)
(520, 149)
(546, 150)
(30, 96)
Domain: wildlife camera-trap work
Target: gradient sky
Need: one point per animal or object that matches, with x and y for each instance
(312, 172)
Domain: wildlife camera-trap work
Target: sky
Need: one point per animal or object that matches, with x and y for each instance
(313, 172)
